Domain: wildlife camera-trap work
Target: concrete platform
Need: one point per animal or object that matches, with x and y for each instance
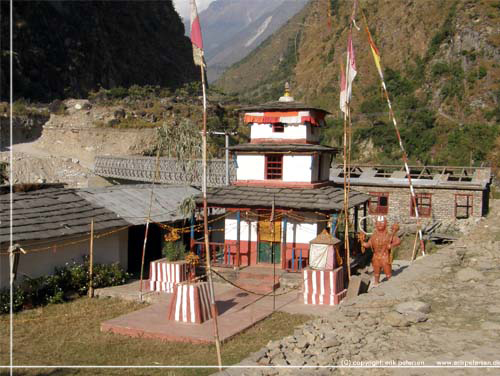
(238, 311)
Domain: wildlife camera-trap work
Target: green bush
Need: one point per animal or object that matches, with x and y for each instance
(481, 72)
(174, 251)
(57, 288)
(440, 68)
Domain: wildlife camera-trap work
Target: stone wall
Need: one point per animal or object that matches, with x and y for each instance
(442, 201)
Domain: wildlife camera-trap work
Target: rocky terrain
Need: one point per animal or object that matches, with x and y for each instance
(443, 308)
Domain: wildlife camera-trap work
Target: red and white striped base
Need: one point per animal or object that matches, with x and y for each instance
(324, 286)
(164, 275)
(190, 303)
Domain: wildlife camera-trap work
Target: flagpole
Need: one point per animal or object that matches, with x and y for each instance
(213, 306)
(376, 58)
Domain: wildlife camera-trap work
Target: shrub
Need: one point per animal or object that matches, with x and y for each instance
(481, 73)
(174, 251)
(440, 68)
(58, 287)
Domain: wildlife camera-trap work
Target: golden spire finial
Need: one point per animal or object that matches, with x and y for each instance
(287, 89)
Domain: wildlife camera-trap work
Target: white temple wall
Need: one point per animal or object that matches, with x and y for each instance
(250, 167)
(248, 229)
(297, 168)
(291, 132)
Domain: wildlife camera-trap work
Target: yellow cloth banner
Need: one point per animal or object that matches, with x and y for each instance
(266, 231)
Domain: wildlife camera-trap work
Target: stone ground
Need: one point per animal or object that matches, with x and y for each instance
(451, 312)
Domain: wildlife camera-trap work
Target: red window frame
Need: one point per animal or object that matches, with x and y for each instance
(375, 206)
(469, 205)
(274, 167)
(424, 204)
(278, 128)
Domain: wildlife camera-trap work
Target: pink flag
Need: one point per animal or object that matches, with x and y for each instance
(346, 81)
(196, 38)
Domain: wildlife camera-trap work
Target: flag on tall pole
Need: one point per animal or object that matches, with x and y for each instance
(196, 37)
(375, 53)
(350, 74)
(197, 41)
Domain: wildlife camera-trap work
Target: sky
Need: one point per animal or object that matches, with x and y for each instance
(183, 6)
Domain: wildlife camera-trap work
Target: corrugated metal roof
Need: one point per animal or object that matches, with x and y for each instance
(131, 202)
(50, 213)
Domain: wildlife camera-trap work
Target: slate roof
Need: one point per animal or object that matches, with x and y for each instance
(278, 106)
(260, 147)
(131, 202)
(327, 198)
(52, 212)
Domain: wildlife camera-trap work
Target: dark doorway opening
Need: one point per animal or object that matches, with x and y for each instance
(135, 244)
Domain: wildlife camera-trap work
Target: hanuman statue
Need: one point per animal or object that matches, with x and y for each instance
(381, 242)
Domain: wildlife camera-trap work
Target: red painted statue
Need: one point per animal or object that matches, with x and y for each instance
(381, 242)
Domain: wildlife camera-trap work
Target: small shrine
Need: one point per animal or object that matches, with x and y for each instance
(282, 197)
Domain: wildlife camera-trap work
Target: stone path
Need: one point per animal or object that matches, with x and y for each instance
(451, 312)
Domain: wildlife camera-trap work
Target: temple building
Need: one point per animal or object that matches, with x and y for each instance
(282, 197)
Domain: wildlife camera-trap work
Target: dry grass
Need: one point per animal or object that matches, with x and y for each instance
(68, 334)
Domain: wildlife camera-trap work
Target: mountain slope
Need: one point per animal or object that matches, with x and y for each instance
(66, 49)
(233, 28)
(441, 67)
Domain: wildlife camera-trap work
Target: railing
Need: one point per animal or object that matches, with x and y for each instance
(297, 262)
(221, 254)
(170, 171)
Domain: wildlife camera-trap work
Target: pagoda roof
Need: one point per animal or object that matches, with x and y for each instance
(325, 199)
(281, 106)
(262, 147)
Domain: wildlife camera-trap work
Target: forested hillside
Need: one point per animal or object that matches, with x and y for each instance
(441, 60)
(68, 48)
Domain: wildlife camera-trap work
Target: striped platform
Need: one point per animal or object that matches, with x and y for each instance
(164, 275)
(190, 303)
(324, 287)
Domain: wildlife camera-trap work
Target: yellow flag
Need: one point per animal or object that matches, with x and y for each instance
(375, 53)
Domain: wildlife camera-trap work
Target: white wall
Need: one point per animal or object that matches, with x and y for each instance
(250, 167)
(107, 250)
(297, 168)
(292, 132)
(248, 229)
(302, 232)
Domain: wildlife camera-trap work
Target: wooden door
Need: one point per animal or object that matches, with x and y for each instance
(266, 254)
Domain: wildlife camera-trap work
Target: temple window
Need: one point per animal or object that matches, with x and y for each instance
(274, 167)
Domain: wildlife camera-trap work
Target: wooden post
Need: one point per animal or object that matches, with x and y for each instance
(143, 255)
(227, 164)
(333, 223)
(283, 246)
(213, 306)
(356, 219)
(191, 235)
(365, 213)
(238, 240)
(91, 260)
